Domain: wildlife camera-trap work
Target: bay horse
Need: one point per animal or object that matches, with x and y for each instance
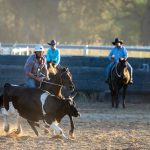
(119, 79)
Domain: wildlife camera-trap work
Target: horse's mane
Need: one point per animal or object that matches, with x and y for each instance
(52, 70)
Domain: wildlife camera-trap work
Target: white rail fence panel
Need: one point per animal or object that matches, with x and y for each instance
(24, 49)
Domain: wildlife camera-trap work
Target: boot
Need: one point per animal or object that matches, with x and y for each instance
(131, 81)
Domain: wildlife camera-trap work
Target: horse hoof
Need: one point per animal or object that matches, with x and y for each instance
(71, 135)
(46, 131)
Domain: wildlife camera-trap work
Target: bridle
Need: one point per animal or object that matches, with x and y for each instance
(117, 71)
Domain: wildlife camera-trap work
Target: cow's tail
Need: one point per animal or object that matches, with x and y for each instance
(6, 85)
(1, 100)
(5, 96)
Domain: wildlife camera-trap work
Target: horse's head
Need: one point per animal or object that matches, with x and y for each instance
(121, 68)
(66, 79)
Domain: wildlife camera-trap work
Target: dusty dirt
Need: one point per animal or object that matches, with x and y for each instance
(99, 127)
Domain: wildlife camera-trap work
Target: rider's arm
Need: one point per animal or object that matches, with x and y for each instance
(31, 75)
(111, 54)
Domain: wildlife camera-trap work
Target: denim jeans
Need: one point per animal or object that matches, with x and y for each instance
(30, 83)
(108, 69)
(130, 69)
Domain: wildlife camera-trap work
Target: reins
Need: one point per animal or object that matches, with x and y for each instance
(51, 83)
(117, 71)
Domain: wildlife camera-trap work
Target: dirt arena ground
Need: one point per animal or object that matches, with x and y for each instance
(99, 127)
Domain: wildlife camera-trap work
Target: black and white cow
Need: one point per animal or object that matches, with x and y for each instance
(35, 105)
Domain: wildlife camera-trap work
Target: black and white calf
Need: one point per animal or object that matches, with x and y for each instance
(35, 105)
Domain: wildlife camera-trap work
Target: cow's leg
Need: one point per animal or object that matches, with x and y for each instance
(5, 115)
(71, 132)
(57, 129)
(18, 130)
(32, 124)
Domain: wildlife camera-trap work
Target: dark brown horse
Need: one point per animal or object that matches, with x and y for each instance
(119, 79)
(62, 78)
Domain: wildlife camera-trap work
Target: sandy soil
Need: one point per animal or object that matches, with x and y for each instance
(99, 127)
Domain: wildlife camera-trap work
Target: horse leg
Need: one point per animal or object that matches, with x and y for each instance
(112, 98)
(123, 96)
(117, 98)
(71, 132)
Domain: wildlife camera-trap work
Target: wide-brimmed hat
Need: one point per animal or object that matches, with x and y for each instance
(117, 40)
(53, 42)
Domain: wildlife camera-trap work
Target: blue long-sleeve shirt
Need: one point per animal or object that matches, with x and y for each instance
(53, 55)
(118, 53)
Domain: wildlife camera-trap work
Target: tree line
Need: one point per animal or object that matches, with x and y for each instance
(75, 21)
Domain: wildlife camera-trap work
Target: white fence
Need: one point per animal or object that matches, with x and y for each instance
(24, 49)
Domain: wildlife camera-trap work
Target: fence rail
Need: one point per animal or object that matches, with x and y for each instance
(22, 47)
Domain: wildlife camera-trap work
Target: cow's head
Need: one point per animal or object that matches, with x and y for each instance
(71, 107)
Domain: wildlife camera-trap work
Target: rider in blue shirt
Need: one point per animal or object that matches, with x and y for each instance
(115, 54)
(53, 54)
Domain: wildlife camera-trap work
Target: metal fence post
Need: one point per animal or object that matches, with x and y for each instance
(86, 49)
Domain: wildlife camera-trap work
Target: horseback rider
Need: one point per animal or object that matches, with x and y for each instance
(116, 53)
(36, 67)
(53, 54)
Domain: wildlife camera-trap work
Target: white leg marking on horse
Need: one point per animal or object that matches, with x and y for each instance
(43, 99)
